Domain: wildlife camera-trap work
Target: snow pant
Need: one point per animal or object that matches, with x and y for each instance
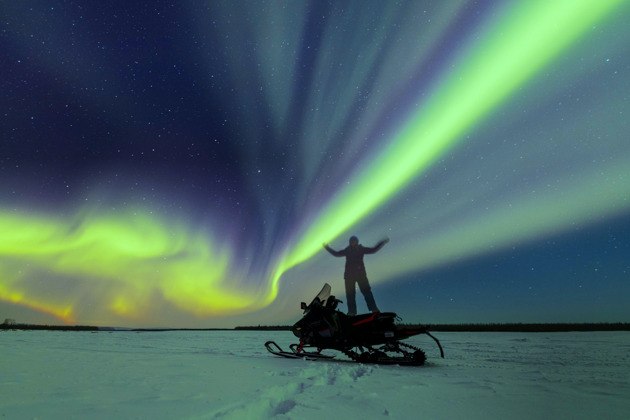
(366, 290)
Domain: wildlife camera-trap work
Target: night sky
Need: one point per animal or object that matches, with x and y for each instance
(181, 163)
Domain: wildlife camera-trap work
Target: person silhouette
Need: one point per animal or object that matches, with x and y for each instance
(355, 272)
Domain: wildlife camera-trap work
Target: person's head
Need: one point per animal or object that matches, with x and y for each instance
(354, 241)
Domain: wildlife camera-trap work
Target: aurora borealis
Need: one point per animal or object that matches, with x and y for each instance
(180, 164)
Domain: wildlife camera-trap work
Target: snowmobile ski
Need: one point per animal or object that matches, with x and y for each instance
(274, 348)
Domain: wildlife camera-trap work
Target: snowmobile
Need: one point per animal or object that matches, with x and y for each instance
(365, 338)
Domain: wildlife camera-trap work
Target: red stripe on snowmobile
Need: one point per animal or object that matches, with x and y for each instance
(363, 321)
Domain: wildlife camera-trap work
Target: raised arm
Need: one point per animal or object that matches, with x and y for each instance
(378, 246)
(333, 252)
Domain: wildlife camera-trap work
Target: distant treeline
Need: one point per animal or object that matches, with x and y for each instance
(265, 328)
(540, 327)
(533, 327)
(47, 327)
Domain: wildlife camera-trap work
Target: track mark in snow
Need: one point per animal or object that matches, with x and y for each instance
(283, 407)
(282, 399)
(329, 374)
(268, 402)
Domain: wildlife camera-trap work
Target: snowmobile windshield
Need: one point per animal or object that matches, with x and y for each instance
(323, 294)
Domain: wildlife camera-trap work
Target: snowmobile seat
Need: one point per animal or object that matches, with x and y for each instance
(370, 317)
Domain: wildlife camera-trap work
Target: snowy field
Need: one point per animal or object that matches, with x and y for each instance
(230, 375)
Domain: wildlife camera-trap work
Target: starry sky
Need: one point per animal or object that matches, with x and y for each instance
(181, 163)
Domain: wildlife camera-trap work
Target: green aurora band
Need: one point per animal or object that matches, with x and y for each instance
(133, 259)
(509, 54)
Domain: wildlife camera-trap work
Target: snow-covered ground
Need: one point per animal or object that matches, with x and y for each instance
(230, 375)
